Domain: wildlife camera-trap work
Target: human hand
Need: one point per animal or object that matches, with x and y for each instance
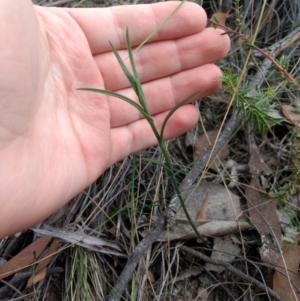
(56, 140)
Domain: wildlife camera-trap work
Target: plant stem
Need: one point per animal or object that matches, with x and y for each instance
(170, 171)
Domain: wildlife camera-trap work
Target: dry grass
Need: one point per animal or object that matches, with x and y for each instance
(122, 202)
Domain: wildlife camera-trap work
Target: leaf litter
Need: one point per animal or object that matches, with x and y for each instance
(213, 227)
(262, 209)
(81, 239)
(224, 249)
(203, 142)
(286, 277)
(25, 258)
(214, 209)
(40, 270)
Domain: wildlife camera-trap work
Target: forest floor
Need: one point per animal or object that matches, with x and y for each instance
(245, 204)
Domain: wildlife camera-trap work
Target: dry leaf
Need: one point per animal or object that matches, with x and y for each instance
(219, 203)
(193, 271)
(37, 277)
(292, 114)
(40, 270)
(203, 142)
(281, 284)
(25, 258)
(81, 239)
(219, 18)
(202, 215)
(286, 224)
(223, 228)
(214, 229)
(224, 249)
(262, 210)
(203, 294)
(218, 208)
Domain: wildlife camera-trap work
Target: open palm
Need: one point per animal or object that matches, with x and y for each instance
(56, 140)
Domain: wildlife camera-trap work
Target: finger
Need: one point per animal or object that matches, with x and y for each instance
(101, 25)
(160, 59)
(163, 94)
(136, 136)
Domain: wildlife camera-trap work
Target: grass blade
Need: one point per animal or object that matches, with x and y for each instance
(160, 26)
(139, 91)
(156, 162)
(127, 73)
(117, 95)
(183, 102)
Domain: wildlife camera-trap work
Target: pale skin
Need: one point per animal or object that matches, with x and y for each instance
(56, 140)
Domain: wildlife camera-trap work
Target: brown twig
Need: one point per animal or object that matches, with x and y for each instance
(267, 55)
(246, 40)
(233, 271)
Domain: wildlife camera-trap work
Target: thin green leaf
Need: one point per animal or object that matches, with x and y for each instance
(133, 287)
(117, 95)
(215, 19)
(175, 109)
(139, 91)
(156, 162)
(154, 32)
(129, 49)
(124, 68)
(225, 33)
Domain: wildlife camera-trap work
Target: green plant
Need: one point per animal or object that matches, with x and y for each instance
(86, 277)
(256, 109)
(289, 185)
(143, 109)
